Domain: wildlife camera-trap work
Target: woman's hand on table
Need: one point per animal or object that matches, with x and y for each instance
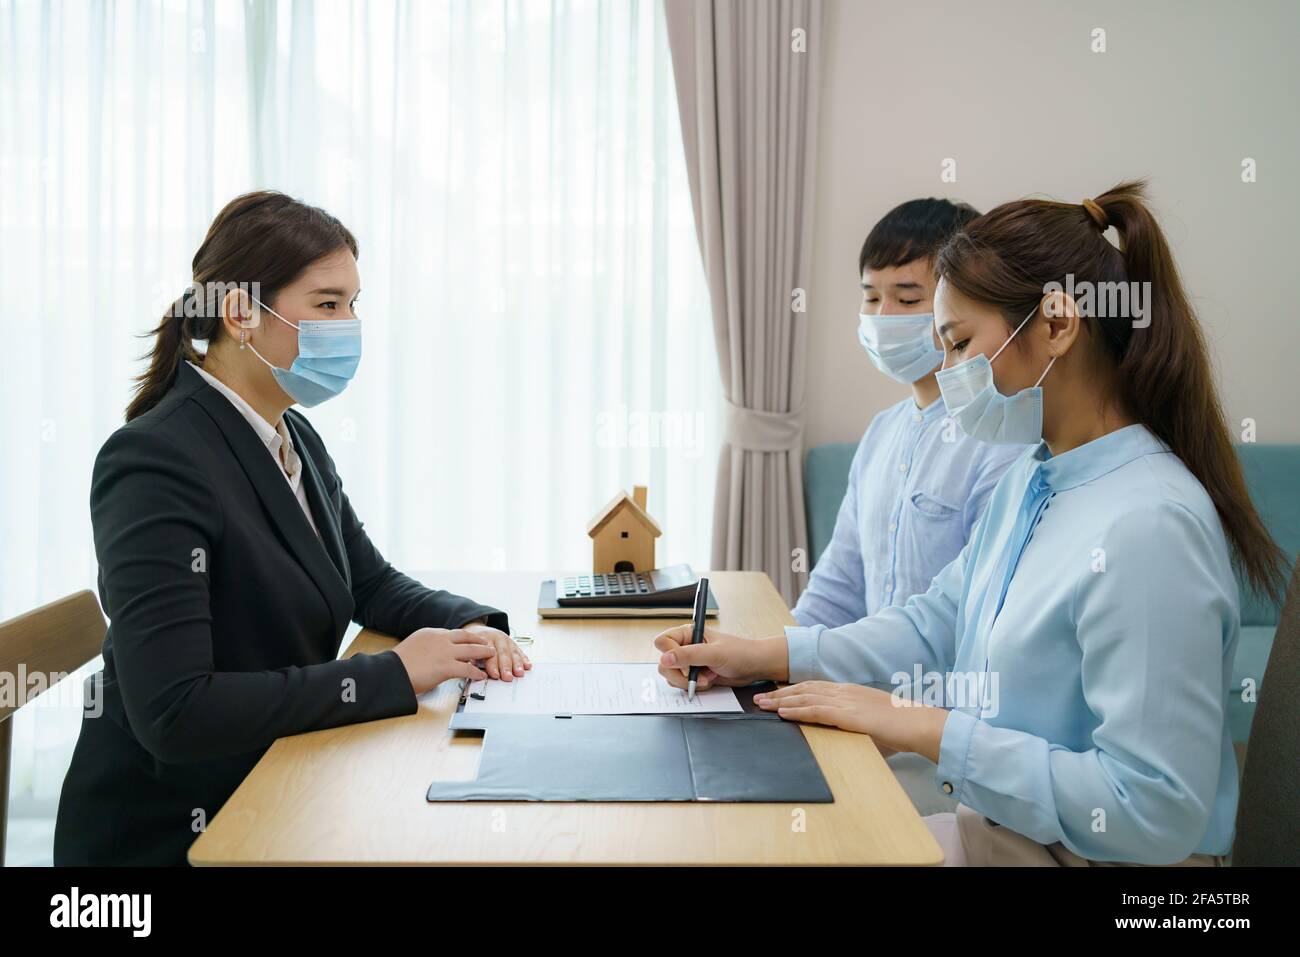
(894, 722)
(434, 655)
(508, 662)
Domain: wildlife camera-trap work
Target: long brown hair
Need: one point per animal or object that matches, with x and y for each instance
(1009, 256)
(263, 237)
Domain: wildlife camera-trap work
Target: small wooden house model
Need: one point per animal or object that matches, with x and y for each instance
(623, 535)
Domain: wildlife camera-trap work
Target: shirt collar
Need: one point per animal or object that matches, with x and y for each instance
(935, 410)
(1092, 460)
(274, 437)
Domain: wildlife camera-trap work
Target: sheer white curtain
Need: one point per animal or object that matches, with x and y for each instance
(536, 323)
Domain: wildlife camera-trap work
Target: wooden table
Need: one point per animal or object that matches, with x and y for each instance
(356, 794)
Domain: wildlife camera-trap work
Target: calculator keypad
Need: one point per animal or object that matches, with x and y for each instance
(611, 585)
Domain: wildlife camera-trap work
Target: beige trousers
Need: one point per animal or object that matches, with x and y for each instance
(969, 839)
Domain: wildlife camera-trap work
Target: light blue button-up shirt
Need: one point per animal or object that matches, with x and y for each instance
(1087, 633)
(916, 486)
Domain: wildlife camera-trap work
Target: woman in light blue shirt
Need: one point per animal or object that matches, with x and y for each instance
(1069, 671)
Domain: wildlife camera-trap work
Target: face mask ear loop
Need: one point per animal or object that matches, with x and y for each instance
(1045, 371)
(261, 357)
(1013, 335)
(273, 312)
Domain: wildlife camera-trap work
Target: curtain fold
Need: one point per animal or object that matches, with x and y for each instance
(747, 97)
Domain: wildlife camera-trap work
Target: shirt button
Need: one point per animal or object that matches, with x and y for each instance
(902, 466)
(916, 416)
(893, 526)
(947, 788)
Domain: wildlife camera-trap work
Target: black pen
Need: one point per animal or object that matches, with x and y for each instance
(701, 604)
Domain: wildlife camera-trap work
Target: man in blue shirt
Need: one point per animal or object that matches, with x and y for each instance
(917, 483)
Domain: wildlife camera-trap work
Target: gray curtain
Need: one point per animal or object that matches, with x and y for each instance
(748, 103)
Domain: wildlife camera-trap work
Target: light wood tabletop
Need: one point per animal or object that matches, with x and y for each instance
(356, 794)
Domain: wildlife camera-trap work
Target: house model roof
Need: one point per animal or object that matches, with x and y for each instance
(612, 507)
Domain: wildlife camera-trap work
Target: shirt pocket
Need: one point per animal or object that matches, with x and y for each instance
(931, 506)
(934, 533)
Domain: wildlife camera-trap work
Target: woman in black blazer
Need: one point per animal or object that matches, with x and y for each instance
(230, 559)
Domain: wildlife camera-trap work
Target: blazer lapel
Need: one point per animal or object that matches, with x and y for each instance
(322, 509)
(269, 482)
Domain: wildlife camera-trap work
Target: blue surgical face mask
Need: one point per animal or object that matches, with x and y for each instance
(329, 351)
(902, 347)
(984, 413)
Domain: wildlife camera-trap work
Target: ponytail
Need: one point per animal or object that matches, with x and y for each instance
(170, 346)
(1168, 385)
(1009, 257)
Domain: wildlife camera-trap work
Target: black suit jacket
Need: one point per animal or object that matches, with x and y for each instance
(227, 613)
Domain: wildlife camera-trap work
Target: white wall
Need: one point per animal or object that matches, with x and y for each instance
(1012, 92)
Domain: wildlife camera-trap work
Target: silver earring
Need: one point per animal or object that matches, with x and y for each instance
(242, 334)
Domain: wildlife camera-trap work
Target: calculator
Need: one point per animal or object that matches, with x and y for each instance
(673, 586)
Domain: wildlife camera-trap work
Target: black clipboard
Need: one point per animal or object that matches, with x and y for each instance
(753, 756)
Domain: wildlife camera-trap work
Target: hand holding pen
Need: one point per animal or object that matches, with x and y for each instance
(697, 633)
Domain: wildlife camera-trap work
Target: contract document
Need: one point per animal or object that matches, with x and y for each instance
(593, 688)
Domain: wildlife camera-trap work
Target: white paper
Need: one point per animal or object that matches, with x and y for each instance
(582, 688)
